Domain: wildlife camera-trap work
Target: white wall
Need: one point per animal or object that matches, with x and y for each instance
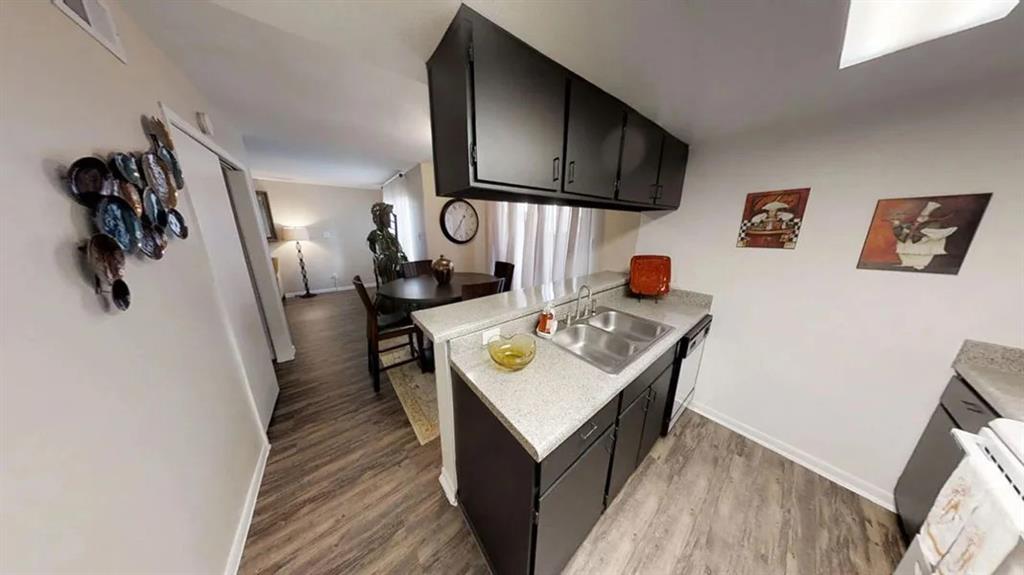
(129, 440)
(836, 366)
(338, 220)
(617, 233)
(469, 257)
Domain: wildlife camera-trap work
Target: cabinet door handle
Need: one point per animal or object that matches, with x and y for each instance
(572, 171)
(591, 432)
(554, 168)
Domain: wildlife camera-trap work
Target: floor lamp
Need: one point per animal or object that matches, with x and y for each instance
(299, 234)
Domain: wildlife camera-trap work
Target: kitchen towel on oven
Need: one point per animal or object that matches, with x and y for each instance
(967, 530)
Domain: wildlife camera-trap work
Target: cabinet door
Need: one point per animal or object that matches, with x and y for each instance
(641, 155)
(571, 507)
(518, 112)
(627, 445)
(656, 413)
(592, 141)
(933, 461)
(674, 154)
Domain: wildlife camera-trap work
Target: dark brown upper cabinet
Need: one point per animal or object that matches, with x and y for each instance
(510, 124)
(641, 158)
(674, 154)
(518, 112)
(593, 140)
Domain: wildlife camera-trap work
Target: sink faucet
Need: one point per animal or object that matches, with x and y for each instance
(588, 308)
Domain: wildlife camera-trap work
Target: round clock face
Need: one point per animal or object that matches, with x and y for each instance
(459, 221)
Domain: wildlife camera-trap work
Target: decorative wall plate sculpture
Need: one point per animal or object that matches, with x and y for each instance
(153, 212)
(129, 193)
(772, 219)
(158, 179)
(132, 198)
(154, 242)
(88, 180)
(125, 166)
(106, 258)
(116, 218)
(176, 223)
(928, 234)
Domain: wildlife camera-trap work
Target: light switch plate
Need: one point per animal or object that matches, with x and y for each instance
(488, 334)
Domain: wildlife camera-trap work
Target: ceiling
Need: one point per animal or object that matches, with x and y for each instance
(335, 92)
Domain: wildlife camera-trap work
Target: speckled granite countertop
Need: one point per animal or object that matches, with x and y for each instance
(551, 398)
(996, 373)
(457, 319)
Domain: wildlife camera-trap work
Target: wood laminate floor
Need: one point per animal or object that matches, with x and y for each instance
(348, 489)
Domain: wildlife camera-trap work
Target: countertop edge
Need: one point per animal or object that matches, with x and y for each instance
(637, 367)
(511, 313)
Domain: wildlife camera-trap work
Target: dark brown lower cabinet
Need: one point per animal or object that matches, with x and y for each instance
(627, 444)
(530, 517)
(572, 506)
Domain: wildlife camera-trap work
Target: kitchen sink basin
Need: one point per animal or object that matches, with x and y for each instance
(611, 339)
(604, 350)
(629, 326)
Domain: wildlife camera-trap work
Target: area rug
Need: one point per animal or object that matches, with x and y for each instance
(417, 392)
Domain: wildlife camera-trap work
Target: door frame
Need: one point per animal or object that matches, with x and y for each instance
(246, 206)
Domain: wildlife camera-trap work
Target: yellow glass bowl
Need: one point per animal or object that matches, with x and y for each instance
(512, 352)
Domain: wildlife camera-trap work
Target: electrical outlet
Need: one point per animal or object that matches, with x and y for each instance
(328, 234)
(488, 334)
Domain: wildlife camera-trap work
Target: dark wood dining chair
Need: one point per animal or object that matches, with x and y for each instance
(416, 268)
(505, 271)
(381, 327)
(473, 291)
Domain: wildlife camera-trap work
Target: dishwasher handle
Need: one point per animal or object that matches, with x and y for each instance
(696, 335)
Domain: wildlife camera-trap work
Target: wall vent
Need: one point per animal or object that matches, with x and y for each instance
(95, 18)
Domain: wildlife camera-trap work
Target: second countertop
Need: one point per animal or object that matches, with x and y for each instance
(547, 401)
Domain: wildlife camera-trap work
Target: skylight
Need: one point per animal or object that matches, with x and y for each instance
(875, 28)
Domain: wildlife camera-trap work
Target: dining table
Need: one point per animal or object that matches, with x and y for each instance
(421, 292)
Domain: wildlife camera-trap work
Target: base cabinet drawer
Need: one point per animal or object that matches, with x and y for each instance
(571, 507)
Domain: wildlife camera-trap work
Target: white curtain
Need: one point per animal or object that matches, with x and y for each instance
(405, 193)
(546, 243)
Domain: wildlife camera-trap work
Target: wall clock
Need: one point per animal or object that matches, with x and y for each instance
(459, 221)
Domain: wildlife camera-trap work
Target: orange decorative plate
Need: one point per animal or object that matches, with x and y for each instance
(650, 275)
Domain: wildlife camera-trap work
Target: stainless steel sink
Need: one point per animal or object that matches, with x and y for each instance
(629, 326)
(610, 339)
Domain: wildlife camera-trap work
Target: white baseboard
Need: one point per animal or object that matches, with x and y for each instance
(448, 486)
(828, 471)
(235, 557)
(327, 290)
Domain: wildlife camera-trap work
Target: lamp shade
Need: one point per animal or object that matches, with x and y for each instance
(295, 233)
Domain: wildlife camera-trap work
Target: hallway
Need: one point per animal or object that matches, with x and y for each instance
(347, 488)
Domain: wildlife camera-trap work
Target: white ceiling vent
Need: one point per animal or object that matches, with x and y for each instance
(95, 18)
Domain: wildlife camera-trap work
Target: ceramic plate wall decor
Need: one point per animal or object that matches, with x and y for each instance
(158, 180)
(170, 160)
(129, 193)
(153, 211)
(125, 166)
(154, 242)
(89, 180)
(116, 218)
(176, 223)
(120, 294)
(105, 257)
(156, 129)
